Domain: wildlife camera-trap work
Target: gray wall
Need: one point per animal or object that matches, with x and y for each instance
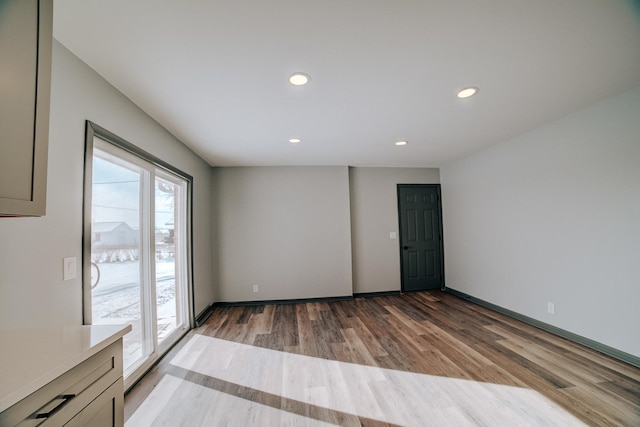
(285, 229)
(554, 216)
(374, 214)
(32, 292)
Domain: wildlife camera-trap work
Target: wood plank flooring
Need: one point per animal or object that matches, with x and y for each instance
(424, 359)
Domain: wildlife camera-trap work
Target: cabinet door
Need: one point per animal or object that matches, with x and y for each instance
(107, 410)
(25, 67)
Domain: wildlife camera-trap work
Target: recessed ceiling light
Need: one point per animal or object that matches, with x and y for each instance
(467, 92)
(399, 143)
(299, 79)
(295, 140)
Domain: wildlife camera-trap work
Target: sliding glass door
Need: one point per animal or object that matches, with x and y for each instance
(138, 252)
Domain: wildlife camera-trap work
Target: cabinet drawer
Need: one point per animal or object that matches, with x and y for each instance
(107, 410)
(57, 402)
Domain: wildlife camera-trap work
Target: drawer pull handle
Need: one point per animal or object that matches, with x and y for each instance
(66, 398)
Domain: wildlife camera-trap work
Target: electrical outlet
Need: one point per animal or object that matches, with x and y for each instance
(551, 308)
(255, 288)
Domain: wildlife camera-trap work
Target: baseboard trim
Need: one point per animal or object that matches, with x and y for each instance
(281, 301)
(376, 294)
(602, 348)
(204, 315)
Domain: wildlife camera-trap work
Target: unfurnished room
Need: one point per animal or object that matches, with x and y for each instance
(319, 213)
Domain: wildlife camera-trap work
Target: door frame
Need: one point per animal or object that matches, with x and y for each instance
(92, 131)
(440, 226)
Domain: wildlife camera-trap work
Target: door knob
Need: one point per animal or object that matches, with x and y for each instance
(405, 247)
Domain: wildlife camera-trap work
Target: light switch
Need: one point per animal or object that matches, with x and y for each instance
(393, 235)
(70, 268)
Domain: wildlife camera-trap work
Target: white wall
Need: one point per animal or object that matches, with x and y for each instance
(285, 229)
(554, 216)
(32, 292)
(374, 214)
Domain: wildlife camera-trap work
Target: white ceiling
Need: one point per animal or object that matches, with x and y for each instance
(214, 72)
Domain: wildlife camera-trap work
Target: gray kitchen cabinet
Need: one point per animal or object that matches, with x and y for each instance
(25, 84)
(90, 394)
(62, 375)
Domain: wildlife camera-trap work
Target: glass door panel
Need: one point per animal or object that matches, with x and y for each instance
(170, 259)
(117, 291)
(165, 212)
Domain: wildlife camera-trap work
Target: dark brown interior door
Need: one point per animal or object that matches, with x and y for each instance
(421, 250)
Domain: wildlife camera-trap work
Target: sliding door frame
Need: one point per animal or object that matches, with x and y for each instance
(92, 131)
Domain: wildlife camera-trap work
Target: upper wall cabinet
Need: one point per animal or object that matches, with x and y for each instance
(25, 83)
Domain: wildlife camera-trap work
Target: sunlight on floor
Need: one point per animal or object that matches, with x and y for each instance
(218, 382)
(202, 406)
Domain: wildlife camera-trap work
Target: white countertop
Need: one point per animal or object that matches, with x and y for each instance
(32, 357)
